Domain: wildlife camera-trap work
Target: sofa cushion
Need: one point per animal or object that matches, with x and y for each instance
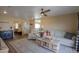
(59, 34)
(65, 41)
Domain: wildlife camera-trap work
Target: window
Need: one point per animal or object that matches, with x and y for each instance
(16, 26)
(37, 26)
(37, 23)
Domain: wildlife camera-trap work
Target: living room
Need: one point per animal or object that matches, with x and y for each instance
(60, 22)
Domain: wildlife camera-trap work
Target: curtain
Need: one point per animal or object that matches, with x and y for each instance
(77, 39)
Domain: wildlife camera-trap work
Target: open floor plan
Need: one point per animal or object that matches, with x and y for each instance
(39, 29)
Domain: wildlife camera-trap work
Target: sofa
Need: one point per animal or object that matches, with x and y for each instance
(60, 35)
(56, 35)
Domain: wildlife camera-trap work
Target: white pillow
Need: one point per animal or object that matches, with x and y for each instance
(59, 34)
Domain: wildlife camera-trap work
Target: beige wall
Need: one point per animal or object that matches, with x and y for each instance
(9, 21)
(5, 22)
(66, 23)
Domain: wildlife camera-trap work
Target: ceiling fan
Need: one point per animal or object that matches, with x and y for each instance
(43, 12)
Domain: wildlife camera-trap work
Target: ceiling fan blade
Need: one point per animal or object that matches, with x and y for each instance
(42, 9)
(44, 14)
(46, 10)
(41, 12)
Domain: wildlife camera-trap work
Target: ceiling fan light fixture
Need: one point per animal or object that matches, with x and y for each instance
(42, 14)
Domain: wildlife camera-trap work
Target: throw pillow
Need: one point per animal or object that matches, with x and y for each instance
(69, 35)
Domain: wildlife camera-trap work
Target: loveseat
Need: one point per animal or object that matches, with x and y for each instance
(60, 35)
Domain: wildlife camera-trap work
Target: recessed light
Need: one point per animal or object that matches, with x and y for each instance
(5, 12)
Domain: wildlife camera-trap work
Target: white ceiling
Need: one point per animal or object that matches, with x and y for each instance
(34, 11)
